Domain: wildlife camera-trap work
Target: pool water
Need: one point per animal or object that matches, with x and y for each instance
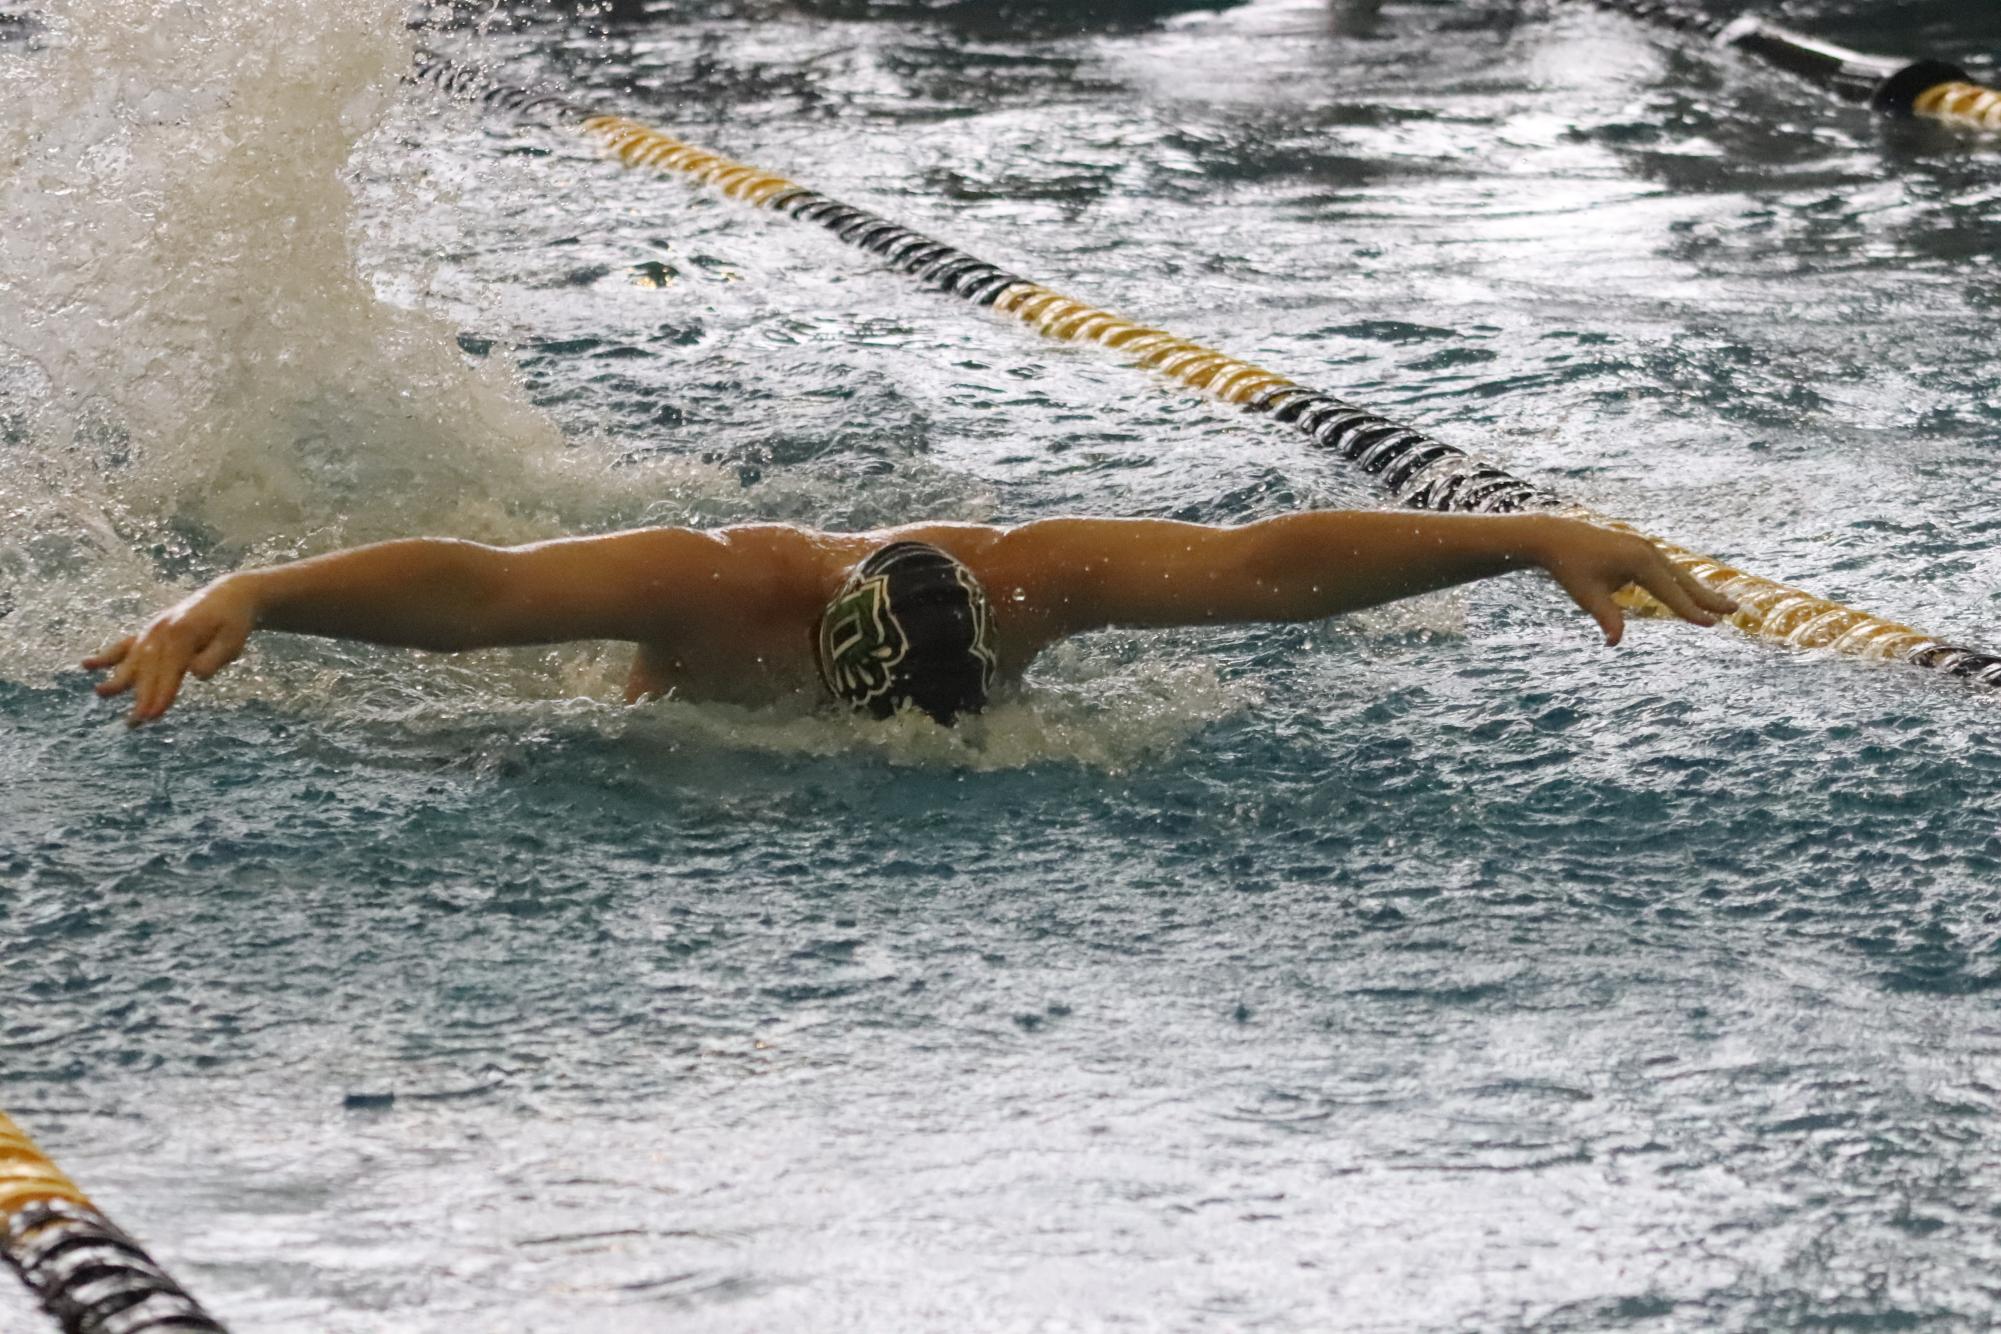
(1432, 969)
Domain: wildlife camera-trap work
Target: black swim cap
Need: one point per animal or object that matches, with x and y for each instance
(910, 625)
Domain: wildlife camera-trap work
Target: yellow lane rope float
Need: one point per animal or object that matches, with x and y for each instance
(90, 1276)
(1925, 89)
(1960, 103)
(1414, 468)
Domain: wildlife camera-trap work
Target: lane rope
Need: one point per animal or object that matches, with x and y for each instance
(90, 1275)
(1926, 89)
(1413, 468)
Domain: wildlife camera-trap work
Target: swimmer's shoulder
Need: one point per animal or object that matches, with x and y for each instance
(777, 548)
(785, 568)
(969, 542)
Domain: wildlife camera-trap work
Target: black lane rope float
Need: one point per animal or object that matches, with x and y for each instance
(1924, 89)
(1411, 466)
(89, 1275)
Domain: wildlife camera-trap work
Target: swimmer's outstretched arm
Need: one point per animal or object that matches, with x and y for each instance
(429, 593)
(1089, 573)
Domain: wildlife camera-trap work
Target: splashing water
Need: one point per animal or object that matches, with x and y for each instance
(197, 372)
(193, 370)
(408, 998)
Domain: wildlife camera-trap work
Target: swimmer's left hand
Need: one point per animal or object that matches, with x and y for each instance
(1593, 563)
(198, 636)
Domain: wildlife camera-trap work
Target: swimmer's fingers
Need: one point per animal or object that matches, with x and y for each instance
(160, 690)
(1593, 563)
(155, 672)
(189, 645)
(1708, 598)
(200, 635)
(193, 643)
(121, 677)
(1681, 592)
(1595, 599)
(110, 655)
(159, 663)
(221, 650)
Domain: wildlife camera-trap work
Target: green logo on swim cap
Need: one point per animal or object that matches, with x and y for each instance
(910, 627)
(982, 647)
(861, 641)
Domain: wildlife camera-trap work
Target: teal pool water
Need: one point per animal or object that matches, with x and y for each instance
(1430, 970)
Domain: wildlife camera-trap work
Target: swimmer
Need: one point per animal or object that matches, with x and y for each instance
(932, 616)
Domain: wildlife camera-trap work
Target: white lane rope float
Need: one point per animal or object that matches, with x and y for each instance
(1413, 468)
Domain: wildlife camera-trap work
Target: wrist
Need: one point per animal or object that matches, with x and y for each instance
(1536, 540)
(249, 589)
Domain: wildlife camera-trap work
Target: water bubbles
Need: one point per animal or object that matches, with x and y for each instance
(188, 344)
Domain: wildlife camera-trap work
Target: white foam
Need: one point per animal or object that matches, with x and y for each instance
(199, 370)
(1441, 613)
(203, 365)
(1082, 707)
(193, 369)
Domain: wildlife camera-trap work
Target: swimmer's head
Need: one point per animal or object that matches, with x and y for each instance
(910, 626)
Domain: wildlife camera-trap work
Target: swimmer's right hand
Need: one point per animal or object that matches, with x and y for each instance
(198, 636)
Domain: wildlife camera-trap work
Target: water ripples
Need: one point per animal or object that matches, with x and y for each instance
(1430, 970)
